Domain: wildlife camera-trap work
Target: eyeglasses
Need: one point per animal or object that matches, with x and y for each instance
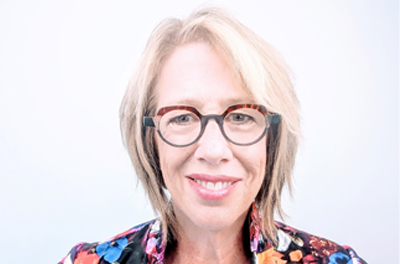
(181, 126)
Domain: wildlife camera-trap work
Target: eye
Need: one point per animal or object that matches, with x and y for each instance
(185, 119)
(239, 118)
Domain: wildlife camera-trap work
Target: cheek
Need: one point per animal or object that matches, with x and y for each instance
(167, 165)
(165, 156)
(254, 162)
(258, 155)
(172, 160)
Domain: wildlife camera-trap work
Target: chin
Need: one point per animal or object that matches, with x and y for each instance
(212, 218)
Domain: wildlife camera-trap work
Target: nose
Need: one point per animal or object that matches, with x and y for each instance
(212, 147)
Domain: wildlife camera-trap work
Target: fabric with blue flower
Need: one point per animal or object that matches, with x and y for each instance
(112, 250)
(339, 258)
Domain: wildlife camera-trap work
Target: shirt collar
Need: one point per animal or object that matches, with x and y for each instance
(257, 241)
(154, 247)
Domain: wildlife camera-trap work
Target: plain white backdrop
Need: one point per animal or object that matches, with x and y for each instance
(64, 66)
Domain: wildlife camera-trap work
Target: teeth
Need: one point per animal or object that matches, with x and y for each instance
(213, 186)
(204, 184)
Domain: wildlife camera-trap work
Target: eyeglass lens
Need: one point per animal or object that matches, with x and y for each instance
(242, 126)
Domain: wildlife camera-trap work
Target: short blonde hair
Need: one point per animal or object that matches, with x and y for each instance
(257, 67)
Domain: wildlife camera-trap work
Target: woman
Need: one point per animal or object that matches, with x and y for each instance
(211, 123)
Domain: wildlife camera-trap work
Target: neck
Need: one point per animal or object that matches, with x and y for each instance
(204, 245)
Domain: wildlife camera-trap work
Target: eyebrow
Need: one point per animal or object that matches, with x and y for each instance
(198, 104)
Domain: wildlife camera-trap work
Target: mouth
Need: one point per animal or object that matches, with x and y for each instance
(212, 187)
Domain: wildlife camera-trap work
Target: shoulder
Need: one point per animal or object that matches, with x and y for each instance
(129, 244)
(301, 247)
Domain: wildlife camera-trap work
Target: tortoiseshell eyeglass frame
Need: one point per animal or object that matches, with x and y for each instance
(219, 119)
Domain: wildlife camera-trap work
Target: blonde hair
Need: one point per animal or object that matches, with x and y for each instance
(257, 67)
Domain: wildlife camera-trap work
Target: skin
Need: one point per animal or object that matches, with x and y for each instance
(211, 231)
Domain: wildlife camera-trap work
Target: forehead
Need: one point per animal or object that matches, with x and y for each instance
(198, 76)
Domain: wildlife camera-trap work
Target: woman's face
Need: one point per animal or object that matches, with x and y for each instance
(212, 182)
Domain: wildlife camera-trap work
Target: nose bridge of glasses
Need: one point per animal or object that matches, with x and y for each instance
(219, 119)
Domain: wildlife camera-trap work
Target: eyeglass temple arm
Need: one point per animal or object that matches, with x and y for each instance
(274, 122)
(148, 121)
(274, 119)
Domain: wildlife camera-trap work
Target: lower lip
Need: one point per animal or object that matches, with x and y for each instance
(211, 194)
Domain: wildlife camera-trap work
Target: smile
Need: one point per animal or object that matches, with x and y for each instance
(213, 186)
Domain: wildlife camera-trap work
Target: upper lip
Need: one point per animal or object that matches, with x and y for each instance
(213, 178)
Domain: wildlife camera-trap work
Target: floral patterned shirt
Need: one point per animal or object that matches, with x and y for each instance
(143, 244)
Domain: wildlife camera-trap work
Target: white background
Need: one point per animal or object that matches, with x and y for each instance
(64, 65)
